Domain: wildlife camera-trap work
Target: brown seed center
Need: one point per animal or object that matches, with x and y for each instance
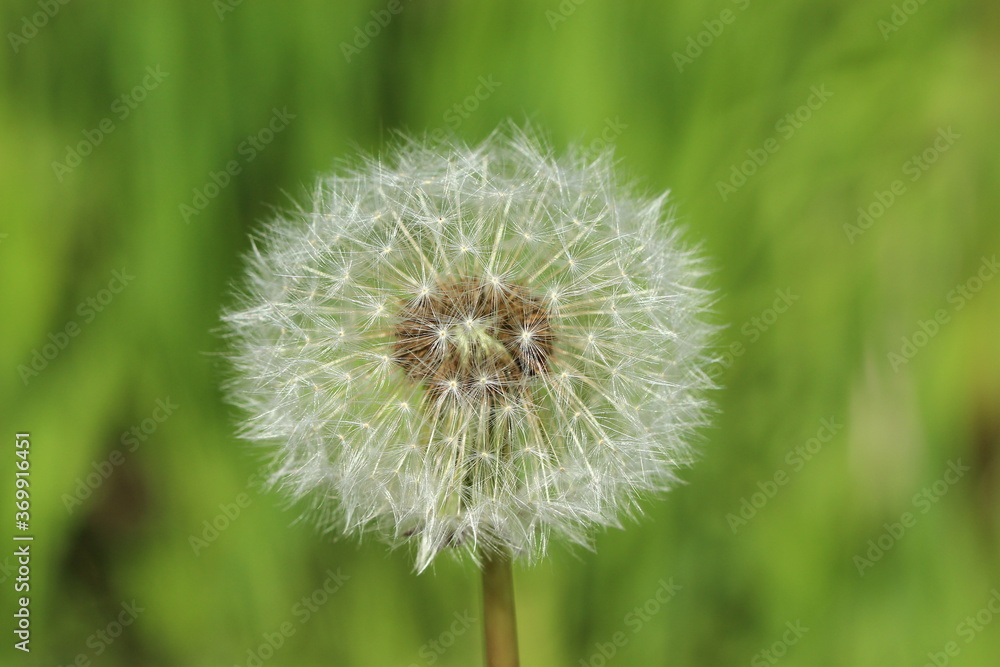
(470, 337)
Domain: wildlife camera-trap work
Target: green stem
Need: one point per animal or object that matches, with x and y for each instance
(499, 622)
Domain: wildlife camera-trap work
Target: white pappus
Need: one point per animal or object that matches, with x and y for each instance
(477, 347)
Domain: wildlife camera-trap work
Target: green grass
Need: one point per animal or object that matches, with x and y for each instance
(607, 68)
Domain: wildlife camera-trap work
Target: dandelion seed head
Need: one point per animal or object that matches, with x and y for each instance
(472, 348)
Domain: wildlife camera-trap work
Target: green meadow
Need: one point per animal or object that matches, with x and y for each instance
(837, 162)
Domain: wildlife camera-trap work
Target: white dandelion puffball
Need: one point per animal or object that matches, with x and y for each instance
(473, 347)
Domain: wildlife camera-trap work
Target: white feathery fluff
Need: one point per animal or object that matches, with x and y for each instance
(477, 347)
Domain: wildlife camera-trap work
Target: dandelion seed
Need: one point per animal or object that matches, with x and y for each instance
(525, 351)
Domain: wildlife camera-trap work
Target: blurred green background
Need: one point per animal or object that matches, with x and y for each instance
(797, 541)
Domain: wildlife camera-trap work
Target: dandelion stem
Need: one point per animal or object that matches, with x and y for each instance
(499, 622)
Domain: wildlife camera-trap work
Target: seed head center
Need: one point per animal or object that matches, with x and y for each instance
(471, 335)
